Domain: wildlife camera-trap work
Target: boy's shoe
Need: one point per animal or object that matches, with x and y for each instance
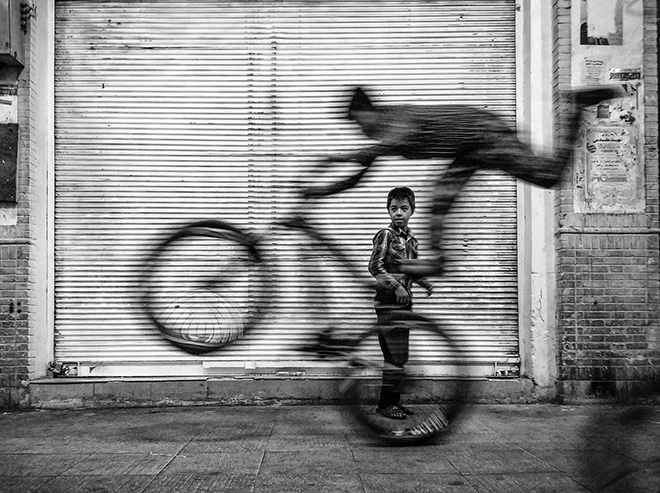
(405, 410)
(391, 412)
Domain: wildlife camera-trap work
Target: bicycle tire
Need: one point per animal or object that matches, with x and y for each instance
(199, 286)
(436, 402)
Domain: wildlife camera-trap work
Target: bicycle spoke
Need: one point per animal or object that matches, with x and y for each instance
(199, 288)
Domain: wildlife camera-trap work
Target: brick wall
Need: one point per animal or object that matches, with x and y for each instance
(14, 329)
(608, 263)
(17, 271)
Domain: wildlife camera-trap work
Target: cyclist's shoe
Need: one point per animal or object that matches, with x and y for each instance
(588, 96)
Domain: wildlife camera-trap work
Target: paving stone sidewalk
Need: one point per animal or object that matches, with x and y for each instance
(497, 448)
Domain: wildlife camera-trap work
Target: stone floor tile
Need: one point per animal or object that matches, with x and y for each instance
(415, 483)
(225, 445)
(597, 461)
(330, 461)
(544, 442)
(203, 483)
(27, 465)
(496, 461)
(122, 446)
(643, 448)
(306, 442)
(300, 426)
(13, 484)
(545, 482)
(297, 421)
(259, 426)
(49, 445)
(644, 480)
(386, 460)
(15, 427)
(594, 469)
(466, 436)
(216, 463)
(96, 484)
(316, 415)
(306, 483)
(458, 446)
(102, 464)
(132, 432)
(361, 439)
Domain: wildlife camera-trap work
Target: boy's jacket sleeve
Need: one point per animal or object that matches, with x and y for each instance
(385, 280)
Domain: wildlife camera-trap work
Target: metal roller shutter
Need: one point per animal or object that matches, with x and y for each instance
(170, 111)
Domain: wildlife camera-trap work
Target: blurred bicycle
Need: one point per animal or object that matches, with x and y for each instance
(208, 285)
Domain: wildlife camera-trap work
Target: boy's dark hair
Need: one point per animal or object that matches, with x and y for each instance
(360, 102)
(401, 193)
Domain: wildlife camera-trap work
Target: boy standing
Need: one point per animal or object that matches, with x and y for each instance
(393, 293)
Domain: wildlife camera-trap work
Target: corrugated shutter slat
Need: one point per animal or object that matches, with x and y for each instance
(169, 111)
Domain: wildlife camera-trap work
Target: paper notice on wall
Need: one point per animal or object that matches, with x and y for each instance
(608, 168)
(611, 180)
(594, 72)
(625, 74)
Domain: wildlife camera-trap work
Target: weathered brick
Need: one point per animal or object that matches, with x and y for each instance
(609, 283)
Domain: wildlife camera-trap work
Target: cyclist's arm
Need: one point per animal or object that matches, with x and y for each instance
(397, 133)
(337, 187)
(396, 136)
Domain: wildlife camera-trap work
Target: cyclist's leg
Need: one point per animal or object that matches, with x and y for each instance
(505, 151)
(497, 149)
(447, 188)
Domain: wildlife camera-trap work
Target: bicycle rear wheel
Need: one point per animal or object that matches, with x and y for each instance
(201, 286)
(431, 392)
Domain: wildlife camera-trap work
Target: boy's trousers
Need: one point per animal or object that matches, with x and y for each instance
(394, 345)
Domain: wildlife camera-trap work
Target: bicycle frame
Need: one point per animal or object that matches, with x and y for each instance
(297, 220)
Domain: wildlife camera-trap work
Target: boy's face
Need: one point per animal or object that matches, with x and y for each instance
(400, 212)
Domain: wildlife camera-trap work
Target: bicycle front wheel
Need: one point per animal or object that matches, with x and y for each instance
(408, 402)
(200, 286)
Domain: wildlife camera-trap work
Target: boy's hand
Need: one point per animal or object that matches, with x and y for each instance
(429, 291)
(402, 296)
